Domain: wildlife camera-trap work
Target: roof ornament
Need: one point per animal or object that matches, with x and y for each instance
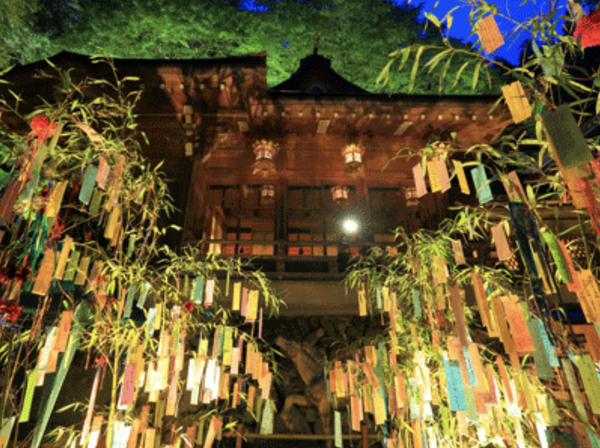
(316, 45)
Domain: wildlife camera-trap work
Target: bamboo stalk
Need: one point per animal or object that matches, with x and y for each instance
(307, 436)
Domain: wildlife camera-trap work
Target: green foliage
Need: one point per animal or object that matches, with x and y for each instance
(95, 124)
(356, 34)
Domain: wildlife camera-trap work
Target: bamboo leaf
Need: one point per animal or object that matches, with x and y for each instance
(415, 68)
(476, 75)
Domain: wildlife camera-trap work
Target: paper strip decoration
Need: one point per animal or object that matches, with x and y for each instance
(55, 200)
(433, 175)
(28, 400)
(59, 379)
(103, 172)
(237, 292)
(518, 325)
(501, 242)
(462, 178)
(517, 102)
(489, 34)
(482, 186)
(591, 382)
(456, 393)
(459, 255)
(128, 386)
(266, 424)
(567, 139)
(540, 357)
(252, 310)
(197, 291)
(90, 410)
(442, 172)
(210, 291)
(419, 180)
(88, 183)
(337, 429)
(45, 274)
(129, 302)
(6, 430)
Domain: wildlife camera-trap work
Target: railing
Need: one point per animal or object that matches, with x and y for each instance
(296, 259)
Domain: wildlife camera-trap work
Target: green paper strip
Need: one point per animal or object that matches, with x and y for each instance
(26, 411)
(378, 297)
(337, 429)
(540, 357)
(143, 295)
(88, 183)
(198, 290)
(482, 186)
(152, 312)
(573, 386)
(470, 400)
(72, 264)
(593, 438)
(96, 202)
(590, 380)
(7, 427)
(557, 256)
(567, 139)
(38, 159)
(417, 304)
(129, 302)
(266, 424)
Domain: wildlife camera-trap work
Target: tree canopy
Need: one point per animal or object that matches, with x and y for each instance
(357, 35)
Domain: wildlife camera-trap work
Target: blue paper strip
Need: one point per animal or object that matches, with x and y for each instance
(482, 186)
(470, 369)
(456, 391)
(88, 184)
(550, 349)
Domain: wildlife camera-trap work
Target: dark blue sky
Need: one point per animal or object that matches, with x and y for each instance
(461, 28)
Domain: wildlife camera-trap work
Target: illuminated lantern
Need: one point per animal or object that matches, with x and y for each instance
(588, 30)
(410, 194)
(267, 193)
(265, 152)
(353, 157)
(339, 193)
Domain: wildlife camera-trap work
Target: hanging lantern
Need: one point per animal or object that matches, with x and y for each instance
(267, 193)
(339, 193)
(411, 197)
(265, 152)
(353, 157)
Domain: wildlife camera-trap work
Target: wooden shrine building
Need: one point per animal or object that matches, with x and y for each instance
(273, 173)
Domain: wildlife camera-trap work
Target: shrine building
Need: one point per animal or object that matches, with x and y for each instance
(299, 177)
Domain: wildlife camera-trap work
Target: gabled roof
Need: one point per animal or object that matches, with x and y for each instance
(315, 76)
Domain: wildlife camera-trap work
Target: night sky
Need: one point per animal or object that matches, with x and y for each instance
(461, 28)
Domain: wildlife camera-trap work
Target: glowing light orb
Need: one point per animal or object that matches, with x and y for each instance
(350, 225)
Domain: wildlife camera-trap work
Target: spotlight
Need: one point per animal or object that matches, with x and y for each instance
(350, 226)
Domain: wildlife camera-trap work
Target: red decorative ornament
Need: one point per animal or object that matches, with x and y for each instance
(42, 128)
(588, 30)
(189, 306)
(10, 310)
